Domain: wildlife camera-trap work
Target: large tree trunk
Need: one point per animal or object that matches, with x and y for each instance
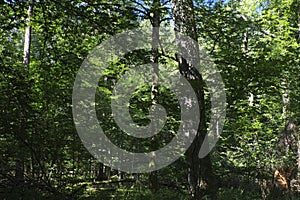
(200, 176)
(153, 177)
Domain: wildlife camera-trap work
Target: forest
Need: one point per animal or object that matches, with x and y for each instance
(150, 99)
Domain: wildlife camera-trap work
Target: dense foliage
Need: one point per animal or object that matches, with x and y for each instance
(255, 45)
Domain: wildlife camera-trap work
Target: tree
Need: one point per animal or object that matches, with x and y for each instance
(156, 20)
(200, 170)
(39, 144)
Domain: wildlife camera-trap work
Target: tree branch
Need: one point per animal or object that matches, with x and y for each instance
(253, 26)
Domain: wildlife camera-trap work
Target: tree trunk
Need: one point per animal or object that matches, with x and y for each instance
(200, 177)
(27, 42)
(298, 143)
(153, 177)
(20, 162)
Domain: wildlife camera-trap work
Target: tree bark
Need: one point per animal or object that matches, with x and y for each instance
(298, 139)
(27, 39)
(200, 176)
(20, 162)
(153, 176)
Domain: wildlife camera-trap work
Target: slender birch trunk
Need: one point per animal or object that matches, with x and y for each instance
(20, 162)
(27, 43)
(153, 177)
